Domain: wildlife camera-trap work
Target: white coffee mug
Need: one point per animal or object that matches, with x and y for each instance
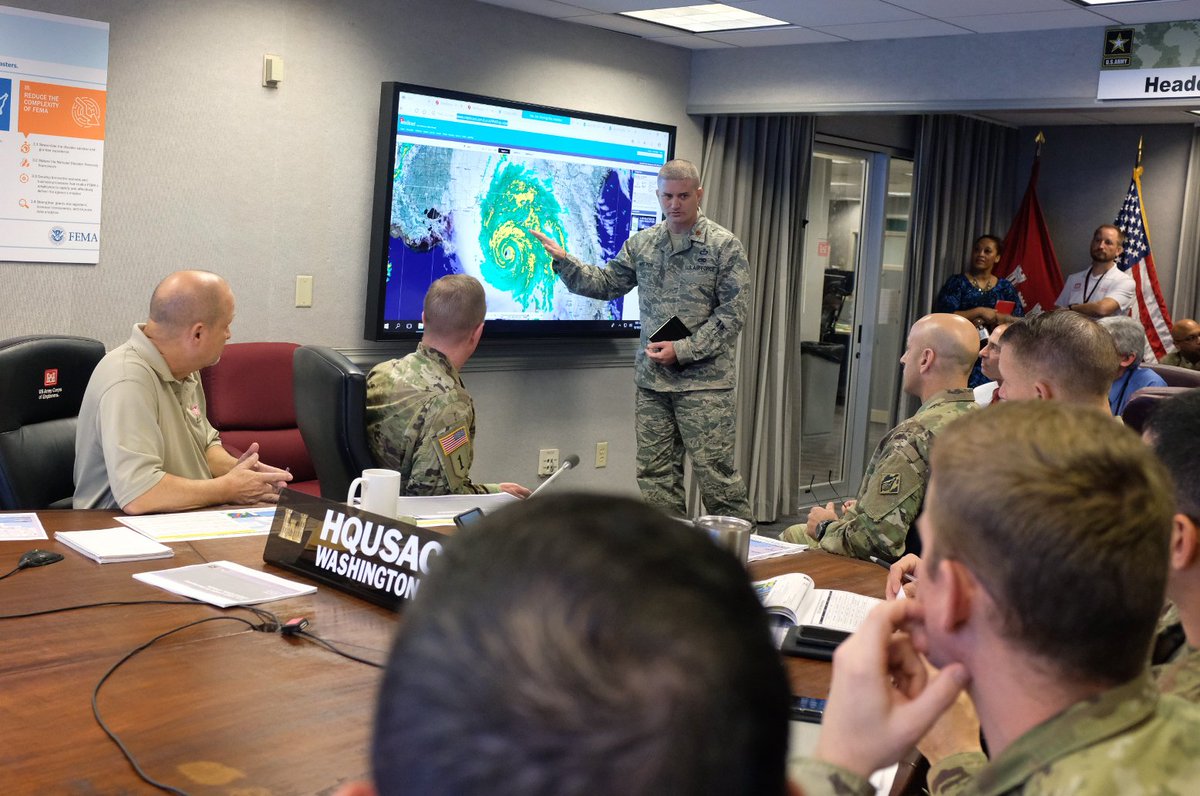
(380, 488)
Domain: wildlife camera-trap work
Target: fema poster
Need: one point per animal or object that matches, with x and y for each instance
(53, 75)
(1156, 61)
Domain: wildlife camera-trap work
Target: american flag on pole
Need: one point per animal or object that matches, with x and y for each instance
(1139, 262)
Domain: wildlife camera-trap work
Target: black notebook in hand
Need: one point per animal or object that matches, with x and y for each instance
(670, 331)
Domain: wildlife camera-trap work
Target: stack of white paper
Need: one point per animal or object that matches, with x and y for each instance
(112, 545)
(224, 584)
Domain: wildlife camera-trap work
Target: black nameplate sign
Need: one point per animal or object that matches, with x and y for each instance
(380, 559)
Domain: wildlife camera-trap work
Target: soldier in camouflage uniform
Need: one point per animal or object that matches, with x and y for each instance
(937, 362)
(420, 418)
(691, 268)
(1173, 431)
(1042, 584)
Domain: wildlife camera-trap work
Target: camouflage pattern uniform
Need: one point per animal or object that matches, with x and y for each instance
(1177, 359)
(1129, 739)
(421, 421)
(1181, 677)
(893, 487)
(689, 405)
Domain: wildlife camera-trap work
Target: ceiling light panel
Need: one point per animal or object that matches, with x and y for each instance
(705, 18)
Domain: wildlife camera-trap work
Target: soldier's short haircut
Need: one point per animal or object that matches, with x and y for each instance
(1069, 536)
(679, 170)
(1127, 333)
(1067, 350)
(454, 306)
(1173, 430)
(582, 644)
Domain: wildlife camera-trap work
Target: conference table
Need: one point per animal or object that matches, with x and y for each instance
(216, 708)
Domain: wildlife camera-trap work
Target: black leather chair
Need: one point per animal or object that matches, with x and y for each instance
(42, 379)
(331, 403)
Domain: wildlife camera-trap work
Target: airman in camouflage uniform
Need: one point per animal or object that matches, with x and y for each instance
(1181, 677)
(1008, 605)
(937, 360)
(688, 267)
(421, 422)
(893, 487)
(1129, 739)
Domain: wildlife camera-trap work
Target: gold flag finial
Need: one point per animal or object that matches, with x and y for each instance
(1039, 139)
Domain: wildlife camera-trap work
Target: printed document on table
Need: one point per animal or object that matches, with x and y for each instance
(225, 584)
(765, 547)
(19, 527)
(192, 525)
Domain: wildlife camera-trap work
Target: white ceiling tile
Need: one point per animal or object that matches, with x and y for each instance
(904, 29)
(617, 6)
(772, 37)
(692, 42)
(961, 8)
(1138, 13)
(543, 8)
(814, 13)
(1040, 20)
(622, 24)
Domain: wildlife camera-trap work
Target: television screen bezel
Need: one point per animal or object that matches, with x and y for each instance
(381, 212)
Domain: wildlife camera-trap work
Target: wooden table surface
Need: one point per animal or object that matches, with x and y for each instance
(217, 708)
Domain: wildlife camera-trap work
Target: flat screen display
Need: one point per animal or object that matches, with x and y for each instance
(462, 178)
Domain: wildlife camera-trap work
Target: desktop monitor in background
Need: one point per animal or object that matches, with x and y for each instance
(459, 180)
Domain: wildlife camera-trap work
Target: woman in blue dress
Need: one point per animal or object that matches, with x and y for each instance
(973, 294)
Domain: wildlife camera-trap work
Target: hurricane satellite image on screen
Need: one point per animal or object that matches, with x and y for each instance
(467, 211)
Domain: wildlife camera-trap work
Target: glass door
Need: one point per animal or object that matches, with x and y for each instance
(853, 269)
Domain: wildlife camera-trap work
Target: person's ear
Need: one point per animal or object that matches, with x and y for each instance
(959, 594)
(1043, 390)
(1183, 542)
(476, 335)
(928, 357)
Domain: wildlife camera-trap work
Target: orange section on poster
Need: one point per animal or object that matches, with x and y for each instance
(52, 109)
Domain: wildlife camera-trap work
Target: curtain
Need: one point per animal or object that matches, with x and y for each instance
(1187, 284)
(755, 172)
(962, 188)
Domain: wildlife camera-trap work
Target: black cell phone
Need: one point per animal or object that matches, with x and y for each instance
(793, 644)
(808, 709)
(670, 331)
(467, 517)
(821, 635)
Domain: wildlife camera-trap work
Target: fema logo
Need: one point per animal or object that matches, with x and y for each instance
(57, 235)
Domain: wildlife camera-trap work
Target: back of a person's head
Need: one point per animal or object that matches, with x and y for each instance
(1127, 333)
(1067, 350)
(582, 645)
(455, 305)
(1069, 534)
(1173, 430)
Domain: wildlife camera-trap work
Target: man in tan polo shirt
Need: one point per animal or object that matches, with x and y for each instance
(143, 442)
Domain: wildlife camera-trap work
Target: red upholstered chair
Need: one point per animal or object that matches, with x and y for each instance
(249, 395)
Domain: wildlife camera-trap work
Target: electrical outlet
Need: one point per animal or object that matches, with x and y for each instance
(547, 461)
(602, 454)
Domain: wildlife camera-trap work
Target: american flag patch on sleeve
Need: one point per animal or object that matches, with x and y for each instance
(453, 440)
